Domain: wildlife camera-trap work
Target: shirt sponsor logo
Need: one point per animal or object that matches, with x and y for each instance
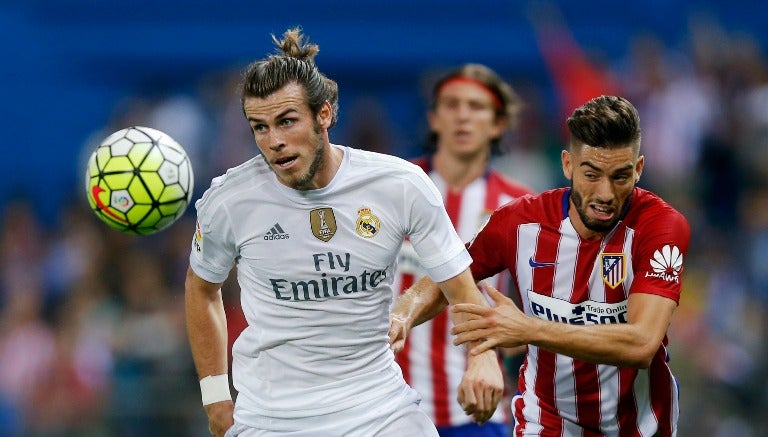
(323, 223)
(334, 279)
(583, 313)
(614, 268)
(666, 264)
(367, 223)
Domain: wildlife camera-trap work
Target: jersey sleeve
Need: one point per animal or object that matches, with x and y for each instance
(213, 246)
(491, 243)
(659, 254)
(439, 248)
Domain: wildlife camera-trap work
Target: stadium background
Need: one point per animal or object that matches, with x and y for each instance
(91, 321)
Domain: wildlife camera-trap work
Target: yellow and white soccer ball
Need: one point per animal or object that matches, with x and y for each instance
(139, 180)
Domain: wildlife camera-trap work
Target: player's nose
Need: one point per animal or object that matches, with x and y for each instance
(275, 140)
(604, 191)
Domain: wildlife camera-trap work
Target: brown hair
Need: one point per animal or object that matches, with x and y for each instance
(293, 62)
(506, 101)
(607, 122)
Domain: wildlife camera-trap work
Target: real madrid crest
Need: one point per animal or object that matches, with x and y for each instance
(367, 223)
(323, 223)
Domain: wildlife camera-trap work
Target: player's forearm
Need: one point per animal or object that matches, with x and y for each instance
(620, 344)
(421, 302)
(462, 289)
(206, 329)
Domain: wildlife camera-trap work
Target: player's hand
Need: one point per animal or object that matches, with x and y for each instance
(398, 331)
(502, 325)
(220, 417)
(482, 386)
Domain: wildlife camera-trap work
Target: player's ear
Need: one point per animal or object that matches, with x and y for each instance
(432, 120)
(639, 167)
(501, 124)
(565, 158)
(325, 115)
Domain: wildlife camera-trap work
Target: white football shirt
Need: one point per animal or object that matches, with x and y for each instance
(315, 270)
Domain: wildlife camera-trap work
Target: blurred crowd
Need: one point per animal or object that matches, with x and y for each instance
(92, 339)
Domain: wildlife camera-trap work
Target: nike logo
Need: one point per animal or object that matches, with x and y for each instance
(535, 264)
(95, 190)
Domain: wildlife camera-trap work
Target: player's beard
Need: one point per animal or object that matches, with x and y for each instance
(304, 181)
(594, 225)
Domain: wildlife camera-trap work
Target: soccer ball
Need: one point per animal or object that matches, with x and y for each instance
(139, 180)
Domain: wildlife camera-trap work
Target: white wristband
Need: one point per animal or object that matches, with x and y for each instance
(215, 388)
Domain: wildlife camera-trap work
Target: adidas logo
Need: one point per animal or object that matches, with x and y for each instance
(276, 233)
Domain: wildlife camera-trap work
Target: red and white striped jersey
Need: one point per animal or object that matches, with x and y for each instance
(430, 362)
(563, 278)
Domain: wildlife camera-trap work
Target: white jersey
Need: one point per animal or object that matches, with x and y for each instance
(315, 270)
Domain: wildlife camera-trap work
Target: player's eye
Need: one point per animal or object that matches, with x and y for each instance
(259, 127)
(478, 106)
(287, 122)
(450, 103)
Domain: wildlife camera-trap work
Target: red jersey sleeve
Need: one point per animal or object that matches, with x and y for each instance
(493, 243)
(659, 250)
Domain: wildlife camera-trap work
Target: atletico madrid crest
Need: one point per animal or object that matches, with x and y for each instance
(614, 269)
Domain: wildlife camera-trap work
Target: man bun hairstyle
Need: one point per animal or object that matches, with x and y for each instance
(606, 122)
(292, 62)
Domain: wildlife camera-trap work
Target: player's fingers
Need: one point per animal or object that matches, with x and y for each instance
(397, 346)
(486, 344)
(469, 310)
(491, 401)
(495, 294)
(469, 326)
(467, 400)
(469, 336)
(496, 396)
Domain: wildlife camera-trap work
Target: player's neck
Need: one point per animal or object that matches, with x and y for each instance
(333, 158)
(459, 171)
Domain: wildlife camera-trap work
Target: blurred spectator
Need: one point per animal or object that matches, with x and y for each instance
(148, 346)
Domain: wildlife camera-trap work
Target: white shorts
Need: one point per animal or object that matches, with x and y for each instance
(398, 416)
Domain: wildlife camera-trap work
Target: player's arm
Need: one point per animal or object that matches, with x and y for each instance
(422, 301)
(631, 344)
(207, 332)
(482, 386)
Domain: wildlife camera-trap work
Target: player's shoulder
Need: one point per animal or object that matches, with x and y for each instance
(545, 207)
(380, 162)
(377, 168)
(246, 176)
(650, 210)
(508, 185)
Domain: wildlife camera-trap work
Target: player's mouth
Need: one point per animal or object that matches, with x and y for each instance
(462, 135)
(286, 162)
(602, 212)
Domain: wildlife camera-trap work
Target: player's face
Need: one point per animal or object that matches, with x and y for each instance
(464, 119)
(602, 181)
(293, 141)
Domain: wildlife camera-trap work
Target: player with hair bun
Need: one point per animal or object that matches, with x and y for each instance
(314, 359)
